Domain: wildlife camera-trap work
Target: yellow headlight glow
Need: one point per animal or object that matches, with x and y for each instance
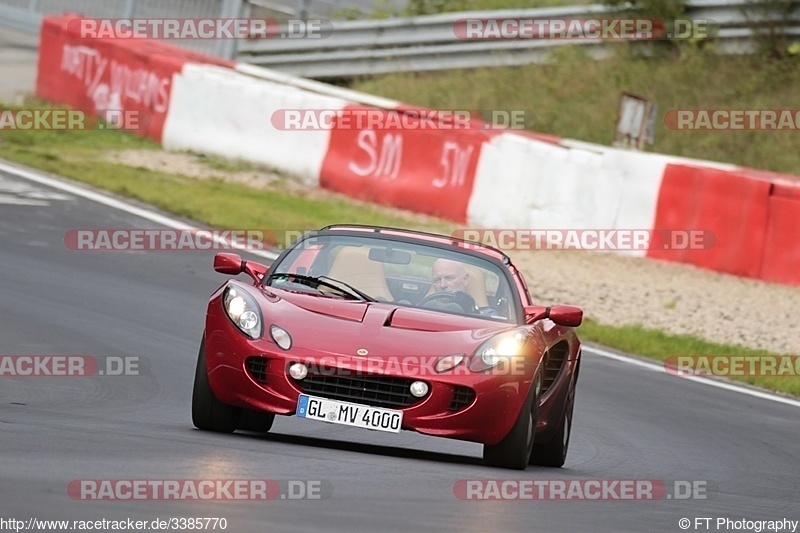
(236, 306)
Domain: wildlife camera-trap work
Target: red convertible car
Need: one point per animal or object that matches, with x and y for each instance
(389, 330)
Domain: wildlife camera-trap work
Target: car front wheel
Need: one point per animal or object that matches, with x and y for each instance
(256, 421)
(208, 413)
(514, 451)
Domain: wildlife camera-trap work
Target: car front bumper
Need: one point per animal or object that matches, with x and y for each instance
(486, 419)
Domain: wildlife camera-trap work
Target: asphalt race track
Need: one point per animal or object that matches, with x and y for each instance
(630, 422)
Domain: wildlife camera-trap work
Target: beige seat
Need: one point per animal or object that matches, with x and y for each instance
(353, 266)
(476, 286)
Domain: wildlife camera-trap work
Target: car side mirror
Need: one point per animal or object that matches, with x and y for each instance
(563, 315)
(232, 264)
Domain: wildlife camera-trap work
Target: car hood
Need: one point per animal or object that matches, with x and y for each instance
(333, 326)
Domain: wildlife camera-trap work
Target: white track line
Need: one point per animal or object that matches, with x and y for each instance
(120, 205)
(704, 381)
(176, 224)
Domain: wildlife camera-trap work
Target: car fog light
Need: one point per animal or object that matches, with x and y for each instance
(281, 337)
(298, 371)
(448, 362)
(419, 389)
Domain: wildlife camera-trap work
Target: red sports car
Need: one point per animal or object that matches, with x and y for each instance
(388, 329)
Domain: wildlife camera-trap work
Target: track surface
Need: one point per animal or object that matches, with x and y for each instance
(629, 422)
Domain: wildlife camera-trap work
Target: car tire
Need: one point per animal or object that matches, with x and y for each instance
(256, 421)
(514, 451)
(554, 452)
(208, 413)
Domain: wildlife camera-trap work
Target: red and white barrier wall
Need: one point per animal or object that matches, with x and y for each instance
(780, 258)
(428, 171)
(525, 183)
(477, 177)
(96, 75)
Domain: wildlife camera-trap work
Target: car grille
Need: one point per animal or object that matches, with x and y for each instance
(257, 368)
(462, 397)
(368, 389)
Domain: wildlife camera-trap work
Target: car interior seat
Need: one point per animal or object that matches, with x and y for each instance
(353, 266)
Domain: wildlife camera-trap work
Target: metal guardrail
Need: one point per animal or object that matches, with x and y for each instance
(430, 42)
(392, 45)
(301, 9)
(20, 19)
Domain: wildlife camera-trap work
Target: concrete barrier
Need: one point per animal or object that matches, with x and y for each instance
(219, 111)
(731, 207)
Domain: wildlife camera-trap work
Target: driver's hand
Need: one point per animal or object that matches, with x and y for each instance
(466, 302)
(444, 305)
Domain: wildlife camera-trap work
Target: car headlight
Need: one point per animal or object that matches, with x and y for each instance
(243, 311)
(502, 348)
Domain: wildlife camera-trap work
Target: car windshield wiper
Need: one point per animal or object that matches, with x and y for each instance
(340, 286)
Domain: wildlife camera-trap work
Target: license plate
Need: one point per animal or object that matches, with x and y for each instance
(349, 414)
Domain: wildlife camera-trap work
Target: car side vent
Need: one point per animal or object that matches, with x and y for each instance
(462, 397)
(556, 357)
(257, 368)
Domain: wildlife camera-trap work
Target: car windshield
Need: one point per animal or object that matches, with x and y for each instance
(376, 269)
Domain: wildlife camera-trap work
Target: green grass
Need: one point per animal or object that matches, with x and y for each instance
(228, 165)
(661, 346)
(577, 97)
(80, 155)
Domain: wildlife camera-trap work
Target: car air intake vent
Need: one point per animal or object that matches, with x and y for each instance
(462, 397)
(257, 368)
(368, 389)
(555, 361)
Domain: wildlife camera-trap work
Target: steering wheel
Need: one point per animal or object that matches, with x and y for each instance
(437, 296)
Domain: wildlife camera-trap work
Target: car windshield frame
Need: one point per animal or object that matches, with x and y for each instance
(466, 255)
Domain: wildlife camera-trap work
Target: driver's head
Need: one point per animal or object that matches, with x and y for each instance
(449, 276)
